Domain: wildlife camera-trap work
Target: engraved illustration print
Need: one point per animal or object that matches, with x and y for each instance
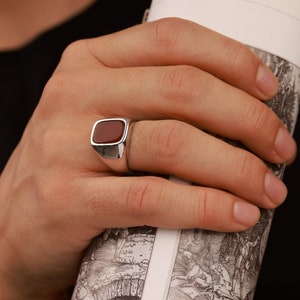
(212, 265)
(115, 266)
(209, 265)
(219, 266)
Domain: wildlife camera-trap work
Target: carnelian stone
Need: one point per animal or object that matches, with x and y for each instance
(108, 132)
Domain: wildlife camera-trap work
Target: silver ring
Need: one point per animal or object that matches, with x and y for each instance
(108, 138)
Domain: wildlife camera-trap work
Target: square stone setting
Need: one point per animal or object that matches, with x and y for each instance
(108, 132)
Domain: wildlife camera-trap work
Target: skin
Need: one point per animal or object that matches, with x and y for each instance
(22, 21)
(176, 80)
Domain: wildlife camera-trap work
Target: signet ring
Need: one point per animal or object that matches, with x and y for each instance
(108, 138)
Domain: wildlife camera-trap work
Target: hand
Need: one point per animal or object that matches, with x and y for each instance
(177, 81)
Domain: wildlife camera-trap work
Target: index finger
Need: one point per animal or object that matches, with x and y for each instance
(173, 41)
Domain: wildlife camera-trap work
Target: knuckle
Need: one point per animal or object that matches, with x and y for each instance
(47, 147)
(167, 139)
(163, 33)
(236, 53)
(54, 94)
(211, 209)
(200, 209)
(63, 79)
(177, 83)
(53, 88)
(74, 49)
(247, 167)
(144, 199)
(255, 118)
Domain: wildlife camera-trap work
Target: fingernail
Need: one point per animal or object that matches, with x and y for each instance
(246, 213)
(266, 81)
(285, 145)
(275, 188)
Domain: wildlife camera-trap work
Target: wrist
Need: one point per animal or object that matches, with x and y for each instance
(17, 282)
(8, 293)
(12, 291)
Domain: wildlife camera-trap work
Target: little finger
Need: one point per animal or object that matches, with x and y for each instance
(135, 201)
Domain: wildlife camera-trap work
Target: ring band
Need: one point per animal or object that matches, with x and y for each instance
(108, 138)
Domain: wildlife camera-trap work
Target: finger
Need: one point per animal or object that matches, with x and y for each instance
(154, 201)
(174, 41)
(175, 148)
(189, 94)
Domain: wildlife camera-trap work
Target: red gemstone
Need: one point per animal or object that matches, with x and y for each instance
(108, 132)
